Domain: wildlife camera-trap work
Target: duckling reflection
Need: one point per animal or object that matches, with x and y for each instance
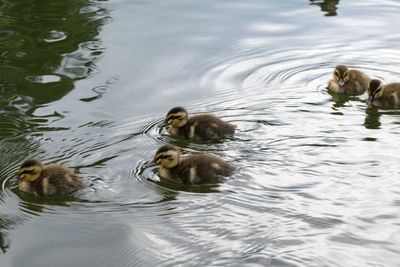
(4, 243)
(383, 95)
(341, 100)
(328, 6)
(372, 118)
(197, 128)
(193, 169)
(173, 188)
(47, 180)
(348, 81)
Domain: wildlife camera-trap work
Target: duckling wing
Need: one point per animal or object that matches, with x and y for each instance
(194, 169)
(392, 94)
(60, 180)
(358, 81)
(394, 99)
(215, 168)
(48, 187)
(184, 172)
(205, 168)
(207, 127)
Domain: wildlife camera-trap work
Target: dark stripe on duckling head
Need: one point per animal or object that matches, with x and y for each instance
(31, 162)
(162, 156)
(27, 172)
(374, 85)
(166, 148)
(341, 69)
(174, 117)
(176, 110)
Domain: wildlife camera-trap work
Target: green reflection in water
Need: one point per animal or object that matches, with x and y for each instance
(45, 46)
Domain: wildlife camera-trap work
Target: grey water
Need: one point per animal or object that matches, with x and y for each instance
(85, 83)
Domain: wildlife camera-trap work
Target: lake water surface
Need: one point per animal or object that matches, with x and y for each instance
(85, 83)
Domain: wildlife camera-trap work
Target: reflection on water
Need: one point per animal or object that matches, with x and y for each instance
(328, 6)
(44, 48)
(316, 172)
(340, 100)
(4, 242)
(47, 47)
(375, 114)
(372, 118)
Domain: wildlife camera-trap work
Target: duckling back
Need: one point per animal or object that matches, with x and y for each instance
(358, 81)
(204, 127)
(200, 168)
(390, 96)
(60, 180)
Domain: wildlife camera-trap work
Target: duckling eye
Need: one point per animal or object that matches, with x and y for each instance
(378, 90)
(175, 118)
(163, 157)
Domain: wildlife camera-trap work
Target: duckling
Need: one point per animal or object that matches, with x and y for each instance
(383, 95)
(198, 128)
(348, 81)
(47, 180)
(193, 169)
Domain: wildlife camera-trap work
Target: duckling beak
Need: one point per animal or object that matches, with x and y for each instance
(370, 100)
(151, 164)
(341, 82)
(163, 124)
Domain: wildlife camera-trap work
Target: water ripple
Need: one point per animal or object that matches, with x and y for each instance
(315, 171)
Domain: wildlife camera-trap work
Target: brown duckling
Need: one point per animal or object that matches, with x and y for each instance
(193, 169)
(348, 81)
(383, 95)
(47, 180)
(198, 128)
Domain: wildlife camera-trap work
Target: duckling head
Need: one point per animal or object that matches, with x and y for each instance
(167, 156)
(30, 170)
(177, 117)
(374, 91)
(341, 74)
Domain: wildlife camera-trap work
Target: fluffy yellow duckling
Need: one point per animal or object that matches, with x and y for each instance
(194, 169)
(198, 128)
(348, 81)
(47, 180)
(383, 95)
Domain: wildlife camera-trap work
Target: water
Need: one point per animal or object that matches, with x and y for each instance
(84, 83)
